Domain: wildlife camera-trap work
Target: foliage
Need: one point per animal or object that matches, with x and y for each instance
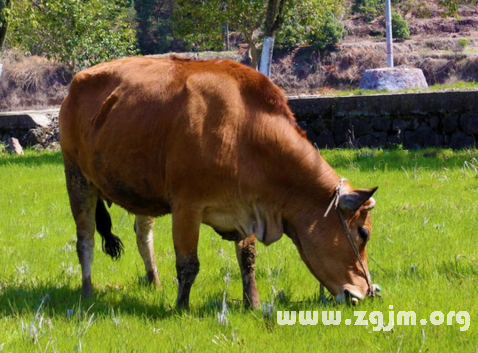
(324, 34)
(460, 45)
(79, 33)
(422, 252)
(201, 23)
(328, 34)
(5, 11)
(368, 8)
(400, 29)
(451, 6)
(155, 27)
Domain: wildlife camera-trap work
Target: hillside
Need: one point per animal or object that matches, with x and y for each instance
(30, 82)
(433, 47)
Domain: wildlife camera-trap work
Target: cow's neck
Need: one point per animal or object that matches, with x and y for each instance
(307, 202)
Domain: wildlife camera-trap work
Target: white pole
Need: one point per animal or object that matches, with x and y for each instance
(266, 56)
(388, 27)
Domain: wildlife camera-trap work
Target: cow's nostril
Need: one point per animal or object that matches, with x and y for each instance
(350, 298)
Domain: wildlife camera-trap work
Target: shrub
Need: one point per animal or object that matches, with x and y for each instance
(328, 34)
(290, 36)
(400, 29)
(368, 8)
(460, 45)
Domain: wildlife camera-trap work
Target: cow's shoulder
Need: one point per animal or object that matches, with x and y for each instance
(257, 89)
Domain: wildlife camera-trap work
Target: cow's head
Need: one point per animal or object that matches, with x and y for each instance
(329, 252)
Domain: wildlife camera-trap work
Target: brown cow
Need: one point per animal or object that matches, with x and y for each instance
(210, 142)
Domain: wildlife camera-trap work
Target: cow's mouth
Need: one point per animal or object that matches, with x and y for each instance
(349, 296)
(352, 296)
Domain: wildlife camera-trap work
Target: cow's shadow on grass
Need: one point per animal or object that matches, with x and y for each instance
(52, 301)
(27, 301)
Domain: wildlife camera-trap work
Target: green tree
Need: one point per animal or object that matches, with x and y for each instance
(452, 6)
(76, 32)
(4, 17)
(200, 22)
(154, 26)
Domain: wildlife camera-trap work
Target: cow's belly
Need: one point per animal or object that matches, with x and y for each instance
(263, 222)
(229, 220)
(140, 198)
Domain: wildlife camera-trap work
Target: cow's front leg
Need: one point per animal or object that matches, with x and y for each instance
(246, 256)
(185, 237)
(143, 227)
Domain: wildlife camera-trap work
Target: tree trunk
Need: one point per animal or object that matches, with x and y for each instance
(252, 52)
(3, 33)
(274, 19)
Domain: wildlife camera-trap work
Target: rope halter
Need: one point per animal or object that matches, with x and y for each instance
(372, 289)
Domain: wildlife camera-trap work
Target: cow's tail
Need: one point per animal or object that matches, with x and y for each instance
(112, 245)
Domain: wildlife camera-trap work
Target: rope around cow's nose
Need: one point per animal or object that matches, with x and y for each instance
(373, 289)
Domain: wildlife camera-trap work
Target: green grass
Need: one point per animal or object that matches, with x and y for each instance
(435, 88)
(423, 252)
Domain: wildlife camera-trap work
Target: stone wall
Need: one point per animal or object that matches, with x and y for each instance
(413, 120)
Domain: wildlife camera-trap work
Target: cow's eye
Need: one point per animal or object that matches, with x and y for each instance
(363, 233)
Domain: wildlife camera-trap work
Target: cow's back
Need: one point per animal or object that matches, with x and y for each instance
(146, 130)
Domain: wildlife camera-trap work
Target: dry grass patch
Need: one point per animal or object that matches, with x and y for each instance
(30, 82)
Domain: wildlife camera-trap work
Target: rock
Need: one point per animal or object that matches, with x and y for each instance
(366, 141)
(319, 125)
(33, 137)
(360, 127)
(14, 146)
(449, 124)
(469, 123)
(326, 139)
(393, 79)
(381, 138)
(399, 125)
(394, 140)
(434, 122)
(342, 131)
(422, 137)
(459, 140)
(381, 123)
(5, 138)
(23, 120)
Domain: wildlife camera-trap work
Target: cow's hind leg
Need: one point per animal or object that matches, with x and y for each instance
(143, 227)
(83, 197)
(246, 256)
(186, 224)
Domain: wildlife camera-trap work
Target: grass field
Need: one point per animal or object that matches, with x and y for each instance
(423, 253)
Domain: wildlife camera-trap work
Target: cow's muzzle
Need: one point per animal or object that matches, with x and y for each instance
(352, 297)
(349, 296)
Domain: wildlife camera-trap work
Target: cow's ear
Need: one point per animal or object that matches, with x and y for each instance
(356, 198)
